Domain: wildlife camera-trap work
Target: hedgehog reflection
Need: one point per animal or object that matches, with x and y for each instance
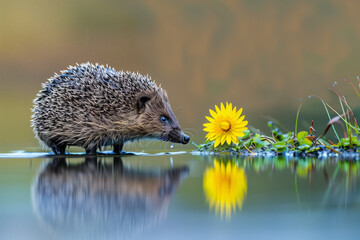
(98, 199)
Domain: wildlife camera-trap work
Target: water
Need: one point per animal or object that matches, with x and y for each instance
(168, 196)
(258, 55)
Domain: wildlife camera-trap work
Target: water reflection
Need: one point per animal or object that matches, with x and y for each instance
(100, 200)
(225, 187)
(315, 183)
(305, 169)
(342, 190)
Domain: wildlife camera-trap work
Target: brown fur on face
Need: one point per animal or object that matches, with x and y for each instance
(157, 106)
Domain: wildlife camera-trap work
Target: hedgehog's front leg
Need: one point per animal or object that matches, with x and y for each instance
(91, 150)
(118, 146)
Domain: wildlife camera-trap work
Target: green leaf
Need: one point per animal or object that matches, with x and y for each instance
(345, 142)
(302, 138)
(302, 135)
(280, 146)
(247, 134)
(303, 147)
(286, 137)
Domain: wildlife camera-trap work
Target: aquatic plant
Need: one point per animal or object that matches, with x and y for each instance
(226, 125)
(225, 187)
(228, 134)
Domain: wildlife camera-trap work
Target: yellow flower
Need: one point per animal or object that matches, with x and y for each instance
(225, 187)
(226, 125)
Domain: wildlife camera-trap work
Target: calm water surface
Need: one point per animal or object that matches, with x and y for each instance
(180, 196)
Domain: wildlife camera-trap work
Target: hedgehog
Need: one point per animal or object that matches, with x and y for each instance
(92, 106)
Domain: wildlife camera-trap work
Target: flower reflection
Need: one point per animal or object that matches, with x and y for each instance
(225, 187)
(304, 168)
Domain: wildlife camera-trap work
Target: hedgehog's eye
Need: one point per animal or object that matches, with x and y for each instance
(164, 119)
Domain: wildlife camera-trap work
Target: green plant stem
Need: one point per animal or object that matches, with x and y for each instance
(342, 108)
(327, 112)
(197, 146)
(297, 117)
(351, 126)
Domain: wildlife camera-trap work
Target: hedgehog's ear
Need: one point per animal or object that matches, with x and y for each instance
(141, 102)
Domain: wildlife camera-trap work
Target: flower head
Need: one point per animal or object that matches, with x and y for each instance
(225, 187)
(226, 125)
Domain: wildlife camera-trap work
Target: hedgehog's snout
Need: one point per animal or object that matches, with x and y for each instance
(184, 138)
(176, 136)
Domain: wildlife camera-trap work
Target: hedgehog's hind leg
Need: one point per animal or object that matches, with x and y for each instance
(58, 149)
(118, 146)
(91, 150)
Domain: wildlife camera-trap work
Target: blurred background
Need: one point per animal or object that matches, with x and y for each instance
(261, 55)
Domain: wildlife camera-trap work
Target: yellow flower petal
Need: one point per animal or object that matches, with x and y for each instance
(226, 124)
(212, 113)
(211, 120)
(243, 124)
(228, 106)
(217, 109)
(228, 139)
(241, 118)
(235, 139)
(223, 138)
(241, 134)
(217, 142)
(209, 135)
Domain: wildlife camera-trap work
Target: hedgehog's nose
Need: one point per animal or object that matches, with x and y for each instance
(185, 139)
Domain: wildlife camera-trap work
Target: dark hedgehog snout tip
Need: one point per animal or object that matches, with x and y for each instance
(176, 137)
(185, 138)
